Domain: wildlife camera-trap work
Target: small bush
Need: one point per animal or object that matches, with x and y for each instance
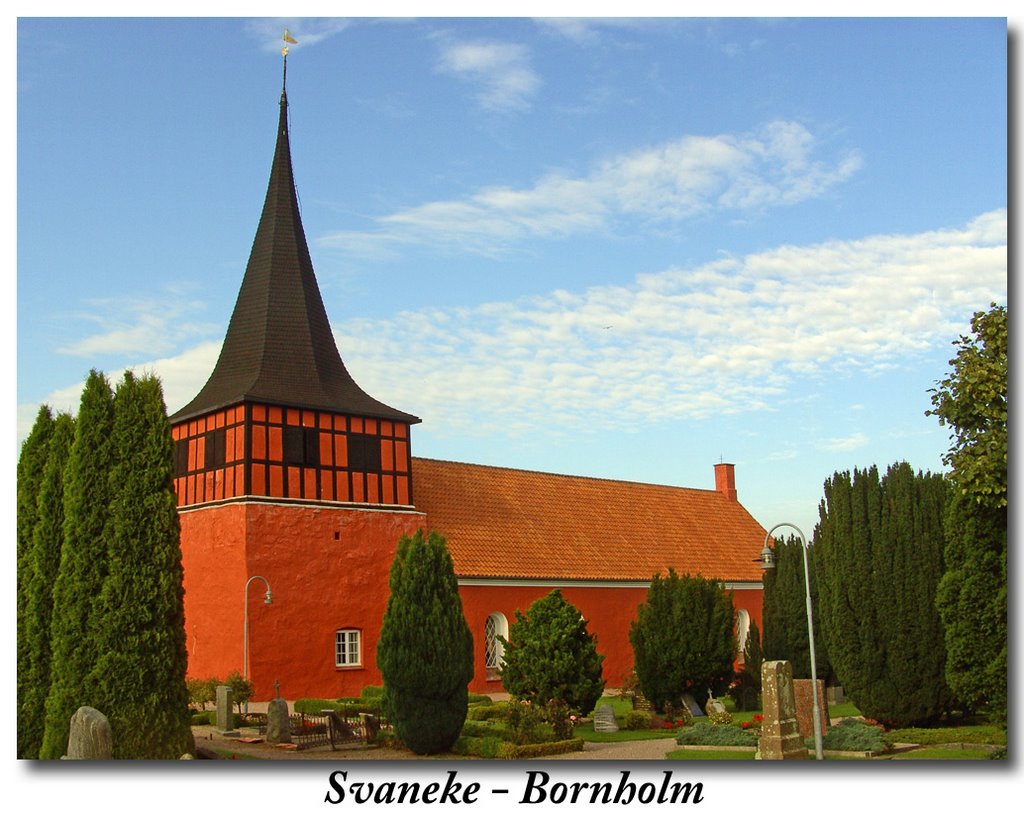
(852, 735)
(201, 691)
(205, 718)
(371, 692)
(511, 751)
(704, 733)
(637, 719)
(488, 712)
(482, 729)
(477, 698)
(524, 722)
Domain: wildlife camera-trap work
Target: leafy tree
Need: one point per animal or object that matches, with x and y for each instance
(785, 610)
(425, 652)
(83, 563)
(879, 545)
(683, 639)
(241, 689)
(30, 476)
(550, 656)
(43, 561)
(972, 596)
(139, 625)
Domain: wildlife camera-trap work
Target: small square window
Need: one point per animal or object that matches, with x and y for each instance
(348, 648)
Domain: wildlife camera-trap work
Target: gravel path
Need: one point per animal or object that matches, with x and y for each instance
(207, 737)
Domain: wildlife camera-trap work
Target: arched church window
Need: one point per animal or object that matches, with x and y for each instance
(742, 631)
(495, 626)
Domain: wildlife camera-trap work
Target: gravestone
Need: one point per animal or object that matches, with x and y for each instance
(780, 735)
(89, 738)
(604, 719)
(279, 729)
(692, 705)
(225, 711)
(803, 692)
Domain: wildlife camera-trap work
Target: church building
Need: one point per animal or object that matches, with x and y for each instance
(294, 486)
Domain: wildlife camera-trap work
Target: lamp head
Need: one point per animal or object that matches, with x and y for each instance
(268, 598)
(767, 558)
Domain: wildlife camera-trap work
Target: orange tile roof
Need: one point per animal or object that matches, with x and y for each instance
(511, 523)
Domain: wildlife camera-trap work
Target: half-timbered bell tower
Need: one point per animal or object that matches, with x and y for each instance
(287, 470)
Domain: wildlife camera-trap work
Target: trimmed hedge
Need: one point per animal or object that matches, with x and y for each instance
(482, 729)
(510, 751)
(345, 707)
(852, 735)
(488, 712)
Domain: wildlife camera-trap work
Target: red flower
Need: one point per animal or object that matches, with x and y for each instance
(759, 718)
(746, 724)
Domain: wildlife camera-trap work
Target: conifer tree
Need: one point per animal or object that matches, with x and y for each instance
(139, 623)
(425, 652)
(785, 610)
(31, 461)
(972, 597)
(683, 640)
(879, 547)
(83, 563)
(550, 656)
(43, 564)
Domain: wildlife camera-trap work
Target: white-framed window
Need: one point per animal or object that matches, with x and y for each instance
(495, 626)
(348, 648)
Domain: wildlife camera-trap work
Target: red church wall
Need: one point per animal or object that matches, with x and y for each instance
(608, 612)
(328, 570)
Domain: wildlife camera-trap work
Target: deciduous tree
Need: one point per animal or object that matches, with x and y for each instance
(972, 596)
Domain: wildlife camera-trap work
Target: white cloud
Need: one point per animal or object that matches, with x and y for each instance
(730, 336)
(133, 328)
(774, 166)
(852, 442)
(501, 70)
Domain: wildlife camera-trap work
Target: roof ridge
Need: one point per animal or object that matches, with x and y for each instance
(566, 475)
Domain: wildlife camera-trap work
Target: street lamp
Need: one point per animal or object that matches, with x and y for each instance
(767, 563)
(268, 599)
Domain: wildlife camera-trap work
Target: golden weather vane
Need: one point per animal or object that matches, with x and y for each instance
(290, 40)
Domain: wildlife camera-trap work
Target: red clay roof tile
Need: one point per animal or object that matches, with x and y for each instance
(511, 523)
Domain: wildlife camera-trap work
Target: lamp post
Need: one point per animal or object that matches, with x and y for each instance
(767, 563)
(268, 599)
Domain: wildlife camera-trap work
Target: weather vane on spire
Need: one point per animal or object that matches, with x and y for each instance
(289, 40)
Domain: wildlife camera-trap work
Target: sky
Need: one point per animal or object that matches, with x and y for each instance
(621, 248)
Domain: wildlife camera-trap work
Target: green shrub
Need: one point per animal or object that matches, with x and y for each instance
(524, 722)
(425, 650)
(489, 712)
(370, 692)
(482, 729)
(205, 718)
(704, 733)
(853, 735)
(638, 719)
(529, 751)
(477, 698)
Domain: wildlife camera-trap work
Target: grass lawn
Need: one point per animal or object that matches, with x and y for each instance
(942, 753)
(586, 732)
(709, 754)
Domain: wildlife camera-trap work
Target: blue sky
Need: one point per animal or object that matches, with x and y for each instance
(618, 248)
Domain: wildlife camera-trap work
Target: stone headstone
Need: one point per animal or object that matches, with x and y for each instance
(714, 705)
(835, 695)
(279, 727)
(89, 738)
(804, 696)
(604, 719)
(693, 706)
(225, 711)
(780, 735)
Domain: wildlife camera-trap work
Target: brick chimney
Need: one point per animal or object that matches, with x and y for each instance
(725, 480)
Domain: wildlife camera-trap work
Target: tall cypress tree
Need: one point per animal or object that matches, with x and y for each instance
(43, 565)
(425, 653)
(785, 611)
(139, 624)
(30, 475)
(879, 548)
(83, 563)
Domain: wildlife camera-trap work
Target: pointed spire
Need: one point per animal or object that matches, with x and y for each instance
(279, 348)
